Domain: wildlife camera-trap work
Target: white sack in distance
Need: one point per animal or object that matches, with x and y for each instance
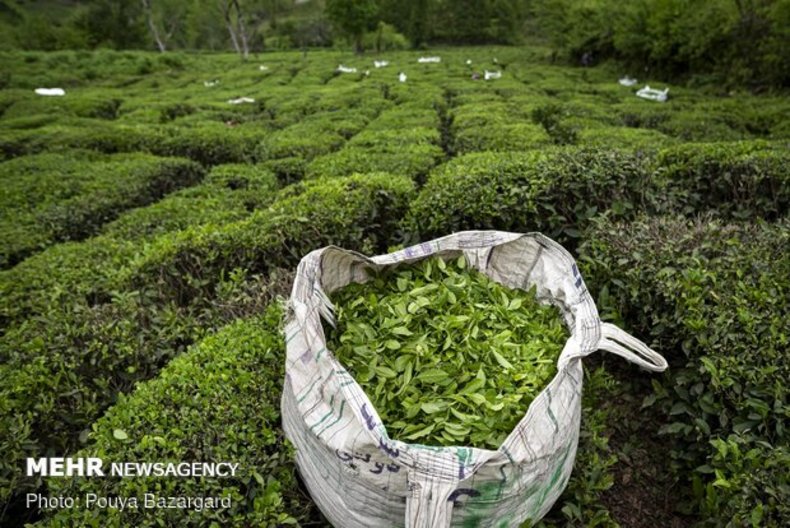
(653, 94)
(427, 60)
(241, 100)
(51, 91)
(489, 75)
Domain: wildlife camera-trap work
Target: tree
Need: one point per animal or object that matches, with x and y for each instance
(353, 18)
(169, 14)
(419, 26)
(244, 19)
(116, 23)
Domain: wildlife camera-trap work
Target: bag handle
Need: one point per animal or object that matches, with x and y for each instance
(620, 342)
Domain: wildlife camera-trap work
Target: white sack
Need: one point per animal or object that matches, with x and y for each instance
(653, 94)
(51, 91)
(492, 75)
(362, 478)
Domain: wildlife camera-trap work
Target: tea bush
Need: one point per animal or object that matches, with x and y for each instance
(742, 180)
(410, 152)
(62, 369)
(67, 364)
(622, 137)
(288, 170)
(82, 322)
(552, 191)
(89, 106)
(218, 402)
(209, 143)
(53, 198)
(481, 127)
(712, 297)
(69, 271)
(318, 134)
(414, 161)
(357, 212)
(228, 193)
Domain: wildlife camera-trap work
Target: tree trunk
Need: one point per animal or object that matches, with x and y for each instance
(241, 31)
(152, 26)
(358, 48)
(225, 6)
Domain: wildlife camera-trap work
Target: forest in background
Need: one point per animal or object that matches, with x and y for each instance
(725, 42)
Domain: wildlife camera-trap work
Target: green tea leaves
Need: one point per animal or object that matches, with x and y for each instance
(502, 361)
(447, 356)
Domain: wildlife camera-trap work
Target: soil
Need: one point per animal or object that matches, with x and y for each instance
(645, 494)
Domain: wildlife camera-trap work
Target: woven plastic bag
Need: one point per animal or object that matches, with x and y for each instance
(360, 477)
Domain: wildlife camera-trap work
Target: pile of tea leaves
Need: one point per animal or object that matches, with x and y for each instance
(446, 355)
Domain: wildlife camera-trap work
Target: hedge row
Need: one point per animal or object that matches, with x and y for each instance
(358, 212)
(51, 198)
(61, 369)
(622, 137)
(725, 119)
(210, 143)
(228, 193)
(553, 191)
(409, 152)
(494, 126)
(25, 104)
(78, 271)
(218, 402)
(739, 180)
(557, 191)
(713, 298)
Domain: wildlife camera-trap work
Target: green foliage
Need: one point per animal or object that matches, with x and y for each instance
(318, 134)
(447, 355)
(554, 191)
(218, 402)
(68, 271)
(228, 193)
(209, 144)
(713, 298)
(411, 152)
(735, 43)
(353, 18)
(739, 180)
(384, 38)
(580, 503)
(83, 322)
(478, 21)
(480, 127)
(52, 198)
(550, 116)
(358, 212)
(622, 137)
(414, 161)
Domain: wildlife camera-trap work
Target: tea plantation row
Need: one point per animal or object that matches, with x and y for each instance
(137, 286)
